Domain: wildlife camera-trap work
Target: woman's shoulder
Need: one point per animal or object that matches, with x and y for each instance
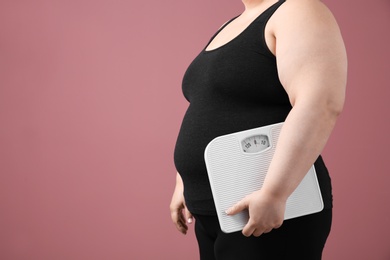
(307, 11)
(303, 17)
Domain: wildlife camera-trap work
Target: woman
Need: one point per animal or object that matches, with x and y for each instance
(279, 61)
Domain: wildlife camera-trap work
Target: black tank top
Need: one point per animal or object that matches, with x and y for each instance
(231, 88)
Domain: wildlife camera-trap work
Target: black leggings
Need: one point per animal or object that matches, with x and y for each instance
(300, 238)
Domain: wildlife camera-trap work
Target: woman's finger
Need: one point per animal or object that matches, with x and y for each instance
(189, 216)
(248, 229)
(179, 221)
(240, 206)
(258, 232)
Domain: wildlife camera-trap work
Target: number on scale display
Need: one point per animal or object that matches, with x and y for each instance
(255, 143)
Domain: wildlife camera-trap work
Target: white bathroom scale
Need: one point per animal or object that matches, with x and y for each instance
(237, 164)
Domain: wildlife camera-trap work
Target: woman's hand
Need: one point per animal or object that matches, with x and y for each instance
(179, 212)
(266, 212)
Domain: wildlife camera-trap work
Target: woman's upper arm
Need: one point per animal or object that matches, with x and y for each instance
(310, 53)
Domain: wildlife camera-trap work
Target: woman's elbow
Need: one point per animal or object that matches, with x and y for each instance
(333, 108)
(335, 104)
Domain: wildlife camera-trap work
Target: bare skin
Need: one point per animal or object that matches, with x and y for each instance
(179, 212)
(312, 67)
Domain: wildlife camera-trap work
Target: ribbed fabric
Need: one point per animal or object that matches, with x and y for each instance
(232, 88)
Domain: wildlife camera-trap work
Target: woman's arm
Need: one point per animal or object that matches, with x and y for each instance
(312, 67)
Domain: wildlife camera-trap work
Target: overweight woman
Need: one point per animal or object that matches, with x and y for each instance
(278, 61)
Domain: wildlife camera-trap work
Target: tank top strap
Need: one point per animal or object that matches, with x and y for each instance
(266, 15)
(270, 10)
(256, 30)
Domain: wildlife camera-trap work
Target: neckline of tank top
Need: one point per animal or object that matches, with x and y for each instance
(238, 35)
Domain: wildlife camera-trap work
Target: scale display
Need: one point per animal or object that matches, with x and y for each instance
(255, 143)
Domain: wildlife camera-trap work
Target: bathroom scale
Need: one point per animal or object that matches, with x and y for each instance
(237, 164)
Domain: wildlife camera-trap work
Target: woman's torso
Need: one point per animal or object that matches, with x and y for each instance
(231, 87)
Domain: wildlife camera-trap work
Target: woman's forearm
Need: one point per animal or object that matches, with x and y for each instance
(302, 138)
(179, 181)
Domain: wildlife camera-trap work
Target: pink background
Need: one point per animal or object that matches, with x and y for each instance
(90, 107)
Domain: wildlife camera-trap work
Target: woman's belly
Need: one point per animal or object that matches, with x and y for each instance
(199, 127)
